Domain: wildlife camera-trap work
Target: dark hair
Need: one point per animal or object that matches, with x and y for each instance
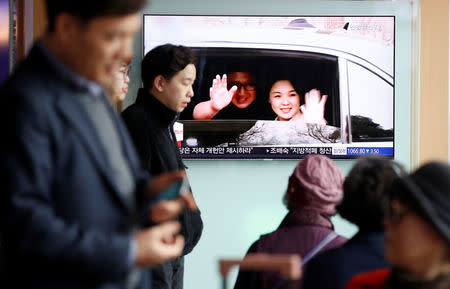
(88, 10)
(282, 79)
(241, 65)
(399, 192)
(366, 192)
(166, 60)
(275, 76)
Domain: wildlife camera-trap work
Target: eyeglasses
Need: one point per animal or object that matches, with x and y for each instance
(247, 87)
(125, 72)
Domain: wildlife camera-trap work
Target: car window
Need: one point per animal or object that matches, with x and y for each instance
(371, 104)
(305, 70)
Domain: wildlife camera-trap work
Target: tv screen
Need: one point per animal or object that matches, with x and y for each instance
(283, 87)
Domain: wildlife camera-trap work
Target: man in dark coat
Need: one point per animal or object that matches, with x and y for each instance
(168, 72)
(71, 179)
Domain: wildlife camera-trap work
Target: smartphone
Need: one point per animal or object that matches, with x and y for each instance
(178, 188)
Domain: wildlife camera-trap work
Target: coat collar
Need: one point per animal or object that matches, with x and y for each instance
(161, 112)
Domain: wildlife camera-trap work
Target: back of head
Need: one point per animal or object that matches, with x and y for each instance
(166, 60)
(366, 192)
(427, 192)
(88, 10)
(315, 184)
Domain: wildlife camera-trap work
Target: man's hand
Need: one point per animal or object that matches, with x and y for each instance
(168, 209)
(158, 244)
(314, 108)
(219, 94)
(162, 181)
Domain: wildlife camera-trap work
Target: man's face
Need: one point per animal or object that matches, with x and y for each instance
(97, 48)
(177, 92)
(246, 91)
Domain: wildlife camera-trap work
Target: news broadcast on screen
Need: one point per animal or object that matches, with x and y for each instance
(283, 87)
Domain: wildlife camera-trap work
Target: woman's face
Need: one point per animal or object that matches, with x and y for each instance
(412, 243)
(284, 99)
(118, 86)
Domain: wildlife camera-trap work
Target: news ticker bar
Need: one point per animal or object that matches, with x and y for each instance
(282, 152)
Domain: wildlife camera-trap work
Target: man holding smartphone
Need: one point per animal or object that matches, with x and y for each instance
(72, 184)
(168, 73)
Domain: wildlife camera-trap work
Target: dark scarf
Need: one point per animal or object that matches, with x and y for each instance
(403, 280)
(161, 113)
(306, 217)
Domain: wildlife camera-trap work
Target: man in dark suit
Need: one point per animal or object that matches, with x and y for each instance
(72, 186)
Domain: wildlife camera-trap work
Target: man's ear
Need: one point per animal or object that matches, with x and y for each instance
(159, 83)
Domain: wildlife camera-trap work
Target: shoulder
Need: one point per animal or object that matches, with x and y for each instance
(339, 241)
(253, 247)
(266, 238)
(134, 114)
(328, 257)
(29, 94)
(330, 260)
(133, 109)
(33, 82)
(313, 233)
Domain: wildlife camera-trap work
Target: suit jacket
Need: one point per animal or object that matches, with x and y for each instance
(64, 222)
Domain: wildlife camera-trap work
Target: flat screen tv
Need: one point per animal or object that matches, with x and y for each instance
(302, 85)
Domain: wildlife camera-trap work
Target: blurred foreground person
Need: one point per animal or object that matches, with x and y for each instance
(73, 188)
(417, 233)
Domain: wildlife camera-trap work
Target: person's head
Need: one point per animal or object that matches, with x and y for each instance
(93, 37)
(246, 88)
(117, 87)
(366, 192)
(285, 101)
(168, 72)
(315, 184)
(418, 223)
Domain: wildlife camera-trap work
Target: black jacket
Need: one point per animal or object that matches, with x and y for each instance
(150, 124)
